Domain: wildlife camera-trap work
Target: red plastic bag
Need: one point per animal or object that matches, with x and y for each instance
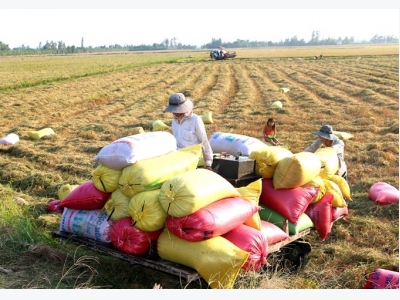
(383, 193)
(382, 279)
(321, 215)
(272, 232)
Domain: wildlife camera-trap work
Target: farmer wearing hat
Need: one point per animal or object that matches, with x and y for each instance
(187, 127)
(328, 139)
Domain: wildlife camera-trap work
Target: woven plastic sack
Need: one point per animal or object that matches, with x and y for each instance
(117, 206)
(338, 212)
(290, 203)
(321, 215)
(128, 150)
(252, 193)
(343, 135)
(92, 224)
(146, 211)
(106, 179)
(232, 143)
(276, 104)
(252, 241)
(296, 170)
(329, 162)
(207, 118)
(304, 221)
(188, 192)
(217, 260)
(343, 186)
(383, 193)
(273, 233)
(267, 159)
(214, 219)
(382, 279)
(149, 174)
(65, 190)
(137, 130)
(159, 125)
(10, 139)
(319, 183)
(37, 135)
(333, 189)
(132, 240)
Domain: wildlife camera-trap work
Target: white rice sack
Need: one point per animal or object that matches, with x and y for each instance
(87, 223)
(232, 143)
(128, 150)
(10, 139)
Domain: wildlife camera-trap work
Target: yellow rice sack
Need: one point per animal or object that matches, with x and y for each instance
(159, 125)
(284, 90)
(343, 135)
(188, 192)
(116, 206)
(149, 174)
(105, 179)
(333, 189)
(36, 135)
(267, 159)
(319, 183)
(65, 190)
(146, 211)
(276, 104)
(137, 130)
(251, 193)
(329, 161)
(343, 186)
(296, 170)
(207, 118)
(217, 260)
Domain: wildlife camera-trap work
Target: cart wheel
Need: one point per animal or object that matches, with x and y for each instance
(294, 253)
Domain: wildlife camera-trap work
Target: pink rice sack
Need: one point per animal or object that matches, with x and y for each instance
(383, 193)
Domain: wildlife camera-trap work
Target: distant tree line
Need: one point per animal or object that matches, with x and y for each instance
(169, 44)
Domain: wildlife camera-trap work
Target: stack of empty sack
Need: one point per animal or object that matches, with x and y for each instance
(145, 197)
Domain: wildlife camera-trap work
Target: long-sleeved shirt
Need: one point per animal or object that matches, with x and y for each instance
(190, 132)
(338, 145)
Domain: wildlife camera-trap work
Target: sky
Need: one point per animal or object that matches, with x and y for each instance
(104, 23)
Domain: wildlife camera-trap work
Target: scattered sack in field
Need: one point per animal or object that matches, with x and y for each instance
(273, 233)
(106, 179)
(343, 135)
(321, 215)
(117, 206)
(146, 211)
(85, 196)
(159, 125)
(149, 174)
(217, 260)
(128, 150)
(276, 104)
(132, 240)
(65, 190)
(329, 161)
(37, 135)
(252, 193)
(10, 139)
(382, 279)
(53, 206)
(232, 143)
(304, 221)
(383, 193)
(267, 159)
(212, 220)
(252, 241)
(290, 203)
(338, 212)
(296, 170)
(207, 118)
(284, 90)
(137, 130)
(87, 223)
(186, 193)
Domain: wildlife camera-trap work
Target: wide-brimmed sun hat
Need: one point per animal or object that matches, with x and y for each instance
(326, 132)
(178, 103)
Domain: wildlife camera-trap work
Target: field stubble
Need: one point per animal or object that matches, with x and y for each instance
(89, 101)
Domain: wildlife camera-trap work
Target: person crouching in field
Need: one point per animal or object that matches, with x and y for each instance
(270, 132)
(187, 127)
(328, 139)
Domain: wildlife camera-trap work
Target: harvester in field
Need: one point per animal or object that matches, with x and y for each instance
(221, 53)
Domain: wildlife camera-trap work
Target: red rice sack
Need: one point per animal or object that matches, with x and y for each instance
(92, 224)
(85, 196)
(338, 212)
(290, 203)
(382, 279)
(272, 232)
(232, 143)
(321, 215)
(132, 240)
(250, 240)
(128, 150)
(383, 193)
(212, 220)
